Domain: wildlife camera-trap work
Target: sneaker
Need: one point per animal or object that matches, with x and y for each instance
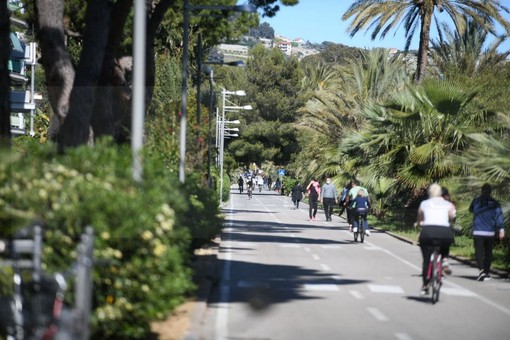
(487, 277)
(446, 268)
(481, 276)
(367, 232)
(354, 230)
(424, 291)
(314, 219)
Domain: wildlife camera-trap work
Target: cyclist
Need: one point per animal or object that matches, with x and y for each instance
(350, 197)
(434, 217)
(360, 206)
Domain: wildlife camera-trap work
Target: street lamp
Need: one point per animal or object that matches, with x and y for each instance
(247, 8)
(222, 128)
(210, 72)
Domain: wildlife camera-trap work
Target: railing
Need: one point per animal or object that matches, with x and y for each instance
(35, 309)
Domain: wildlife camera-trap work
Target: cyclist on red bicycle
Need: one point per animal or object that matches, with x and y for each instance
(434, 217)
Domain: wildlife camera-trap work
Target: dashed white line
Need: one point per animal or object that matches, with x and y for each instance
(403, 336)
(316, 257)
(357, 294)
(377, 314)
(325, 267)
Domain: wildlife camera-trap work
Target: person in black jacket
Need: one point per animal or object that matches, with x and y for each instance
(297, 194)
(487, 225)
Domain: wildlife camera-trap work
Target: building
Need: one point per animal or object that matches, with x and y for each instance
(22, 94)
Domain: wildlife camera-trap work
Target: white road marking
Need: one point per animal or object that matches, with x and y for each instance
(321, 287)
(316, 257)
(457, 292)
(221, 325)
(357, 294)
(308, 250)
(325, 267)
(386, 289)
(331, 247)
(403, 336)
(377, 314)
(290, 245)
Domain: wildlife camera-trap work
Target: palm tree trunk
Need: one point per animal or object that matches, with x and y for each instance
(423, 49)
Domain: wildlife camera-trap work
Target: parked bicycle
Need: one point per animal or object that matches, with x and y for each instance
(35, 309)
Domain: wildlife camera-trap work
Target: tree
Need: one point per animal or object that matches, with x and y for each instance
(463, 53)
(94, 91)
(384, 15)
(264, 30)
(272, 86)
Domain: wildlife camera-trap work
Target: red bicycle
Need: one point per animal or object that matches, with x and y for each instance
(435, 274)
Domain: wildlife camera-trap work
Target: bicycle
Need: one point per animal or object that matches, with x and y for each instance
(360, 230)
(435, 274)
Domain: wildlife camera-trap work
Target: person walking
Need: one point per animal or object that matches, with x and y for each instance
(329, 198)
(313, 191)
(297, 194)
(487, 221)
(343, 198)
(277, 185)
(240, 182)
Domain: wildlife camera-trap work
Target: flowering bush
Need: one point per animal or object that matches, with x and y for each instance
(144, 231)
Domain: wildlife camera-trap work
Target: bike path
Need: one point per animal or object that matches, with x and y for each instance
(284, 277)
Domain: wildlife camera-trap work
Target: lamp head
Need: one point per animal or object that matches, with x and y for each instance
(246, 8)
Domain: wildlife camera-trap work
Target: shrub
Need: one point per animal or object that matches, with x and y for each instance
(144, 231)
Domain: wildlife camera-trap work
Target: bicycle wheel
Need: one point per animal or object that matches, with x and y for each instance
(435, 279)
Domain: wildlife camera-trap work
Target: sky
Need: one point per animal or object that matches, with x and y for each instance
(320, 20)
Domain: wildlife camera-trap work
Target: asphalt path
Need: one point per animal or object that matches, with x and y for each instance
(282, 276)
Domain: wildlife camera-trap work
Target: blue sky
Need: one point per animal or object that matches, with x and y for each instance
(320, 20)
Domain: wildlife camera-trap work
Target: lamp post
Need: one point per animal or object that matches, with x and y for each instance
(210, 72)
(185, 56)
(222, 128)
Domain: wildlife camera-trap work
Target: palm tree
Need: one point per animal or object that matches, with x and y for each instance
(385, 15)
(415, 137)
(464, 53)
(333, 109)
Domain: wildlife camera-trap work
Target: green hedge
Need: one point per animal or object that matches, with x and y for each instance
(144, 232)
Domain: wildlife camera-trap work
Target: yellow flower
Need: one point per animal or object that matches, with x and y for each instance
(147, 235)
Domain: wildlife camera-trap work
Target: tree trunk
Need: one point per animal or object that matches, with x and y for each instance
(55, 59)
(76, 128)
(423, 48)
(105, 118)
(5, 112)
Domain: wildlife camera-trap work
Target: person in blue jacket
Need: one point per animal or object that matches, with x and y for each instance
(487, 221)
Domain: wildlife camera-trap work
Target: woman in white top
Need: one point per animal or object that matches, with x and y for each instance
(434, 217)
